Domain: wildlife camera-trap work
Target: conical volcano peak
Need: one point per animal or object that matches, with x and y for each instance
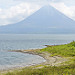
(46, 20)
(46, 10)
(49, 10)
(47, 7)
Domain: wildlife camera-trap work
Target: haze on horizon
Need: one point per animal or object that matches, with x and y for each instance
(12, 11)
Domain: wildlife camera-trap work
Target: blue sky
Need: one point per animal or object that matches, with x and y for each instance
(12, 11)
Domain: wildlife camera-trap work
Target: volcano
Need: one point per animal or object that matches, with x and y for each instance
(46, 20)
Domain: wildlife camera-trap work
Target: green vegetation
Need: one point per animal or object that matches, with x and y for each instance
(67, 51)
(62, 70)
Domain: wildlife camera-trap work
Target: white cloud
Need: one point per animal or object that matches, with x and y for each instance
(18, 12)
(0, 10)
(67, 10)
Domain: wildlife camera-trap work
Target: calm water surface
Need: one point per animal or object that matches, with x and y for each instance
(27, 41)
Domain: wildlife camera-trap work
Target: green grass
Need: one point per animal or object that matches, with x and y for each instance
(62, 70)
(67, 50)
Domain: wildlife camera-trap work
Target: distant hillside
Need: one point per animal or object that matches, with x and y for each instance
(45, 20)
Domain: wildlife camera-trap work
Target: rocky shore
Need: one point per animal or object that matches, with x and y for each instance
(50, 60)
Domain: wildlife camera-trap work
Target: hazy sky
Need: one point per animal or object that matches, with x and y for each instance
(12, 11)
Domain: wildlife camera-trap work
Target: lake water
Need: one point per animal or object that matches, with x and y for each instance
(27, 41)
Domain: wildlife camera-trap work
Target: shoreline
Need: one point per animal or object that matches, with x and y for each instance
(60, 59)
(22, 66)
(50, 60)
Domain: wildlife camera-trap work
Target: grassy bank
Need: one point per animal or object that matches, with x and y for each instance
(67, 51)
